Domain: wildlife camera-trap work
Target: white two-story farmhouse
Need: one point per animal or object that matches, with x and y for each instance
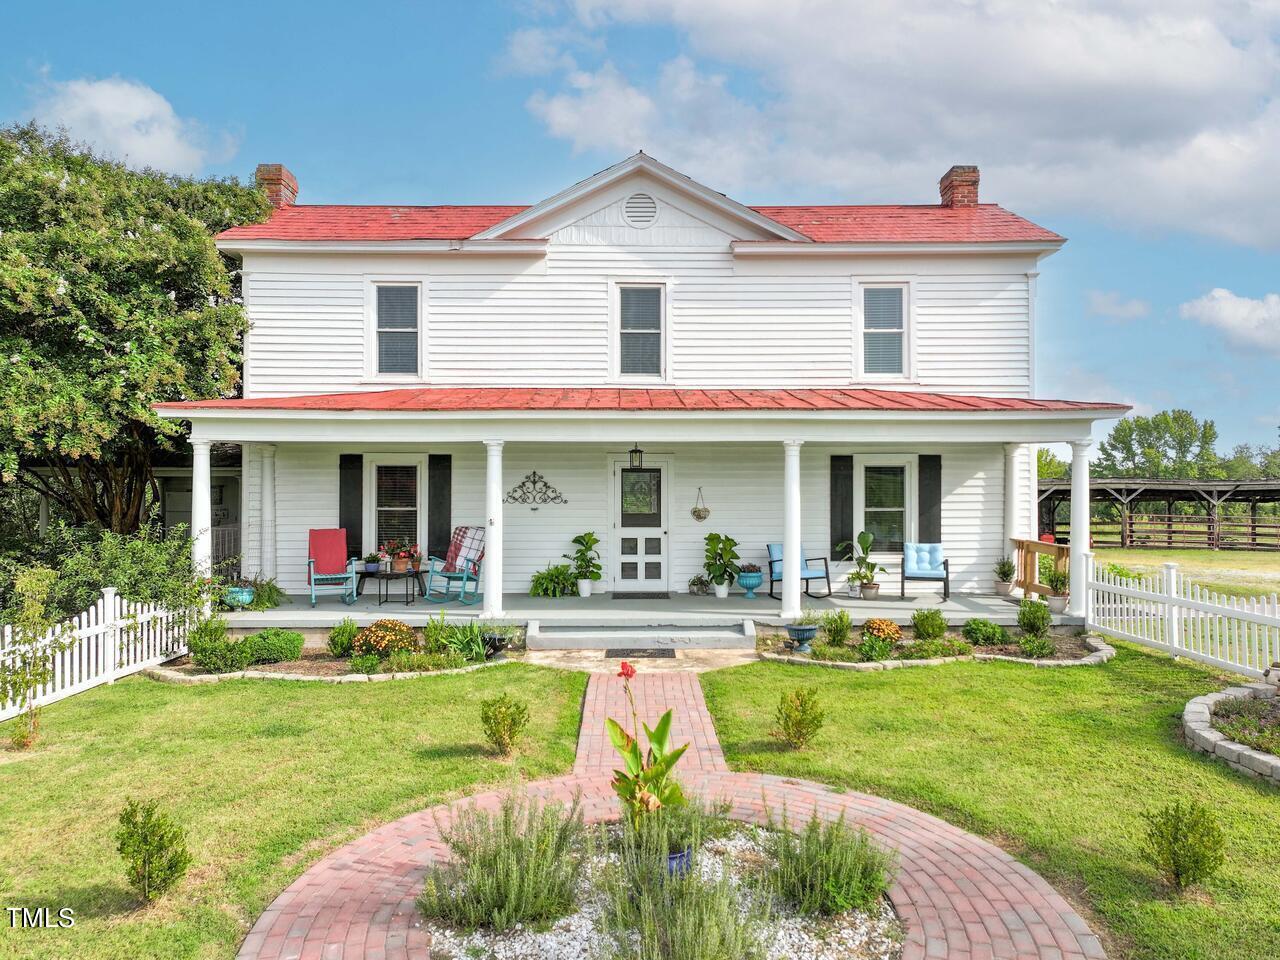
(613, 356)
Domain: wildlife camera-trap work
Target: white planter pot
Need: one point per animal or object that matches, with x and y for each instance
(1003, 589)
(855, 589)
(1057, 604)
(722, 590)
(584, 587)
(870, 591)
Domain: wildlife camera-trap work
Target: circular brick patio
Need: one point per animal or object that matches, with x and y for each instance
(960, 897)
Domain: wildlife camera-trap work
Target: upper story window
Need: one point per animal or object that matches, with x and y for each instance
(397, 328)
(640, 330)
(884, 330)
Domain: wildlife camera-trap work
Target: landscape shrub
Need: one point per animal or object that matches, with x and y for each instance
(410, 661)
(1037, 646)
(837, 626)
(1034, 617)
(364, 663)
(799, 717)
(828, 651)
(1255, 723)
(556, 580)
(933, 649)
(466, 640)
(342, 638)
(503, 719)
(519, 865)
(384, 637)
(929, 624)
(984, 633)
(273, 645)
(211, 649)
(1184, 843)
(828, 868)
(153, 847)
(879, 637)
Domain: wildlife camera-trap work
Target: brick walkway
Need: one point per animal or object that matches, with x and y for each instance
(960, 897)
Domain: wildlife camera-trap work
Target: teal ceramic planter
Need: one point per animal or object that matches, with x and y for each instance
(239, 596)
(750, 582)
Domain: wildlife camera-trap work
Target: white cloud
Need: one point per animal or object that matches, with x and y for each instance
(1152, 112)
(1247, 323)
(1113, 306)
(130, 121)
(537, 50)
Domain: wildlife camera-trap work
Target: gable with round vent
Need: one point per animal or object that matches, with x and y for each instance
(640, 210)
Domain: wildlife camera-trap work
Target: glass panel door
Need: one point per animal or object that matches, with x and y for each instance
(642, 541)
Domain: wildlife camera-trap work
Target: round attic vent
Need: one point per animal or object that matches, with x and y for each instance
(640, 210)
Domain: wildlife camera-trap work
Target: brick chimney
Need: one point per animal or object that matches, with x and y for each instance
(958, 187)
(280, 185)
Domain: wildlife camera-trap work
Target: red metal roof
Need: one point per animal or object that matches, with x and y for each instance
(985, 223)
(425, 399)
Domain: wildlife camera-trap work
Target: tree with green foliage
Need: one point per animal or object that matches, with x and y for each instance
(1169, 445)
(1050, 466)
(112, 297)
(35, 639)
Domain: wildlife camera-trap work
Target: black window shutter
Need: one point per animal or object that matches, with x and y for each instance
(930, 494)
(841, 504)
(351, 501)
(439, 503)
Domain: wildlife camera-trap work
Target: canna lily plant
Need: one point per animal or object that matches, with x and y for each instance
(645, 784)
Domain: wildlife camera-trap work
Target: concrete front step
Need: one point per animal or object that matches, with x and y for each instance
(740, 635)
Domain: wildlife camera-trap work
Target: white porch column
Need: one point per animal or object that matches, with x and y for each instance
(1079, 524)
(42, 521)
(201, 512)
(1010, 495)
(268, 476)
(493, 535)
(791, 548)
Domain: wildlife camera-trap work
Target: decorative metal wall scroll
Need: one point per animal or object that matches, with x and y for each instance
(533, 490)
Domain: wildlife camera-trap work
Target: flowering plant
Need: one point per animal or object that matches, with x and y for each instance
(385, 637)
(394, 550)
(414, 553)
(645, 784)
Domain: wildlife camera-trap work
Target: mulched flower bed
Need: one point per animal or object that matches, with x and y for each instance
(1255, 723)
(1069, 641)
(738, 856)
(314, 663)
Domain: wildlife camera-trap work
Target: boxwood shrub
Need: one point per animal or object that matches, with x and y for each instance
(984, 633)
(212, 650)
(274, 645)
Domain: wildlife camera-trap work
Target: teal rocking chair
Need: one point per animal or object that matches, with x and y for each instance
(460, 566)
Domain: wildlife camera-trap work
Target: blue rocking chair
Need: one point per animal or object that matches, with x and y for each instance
(461, 565)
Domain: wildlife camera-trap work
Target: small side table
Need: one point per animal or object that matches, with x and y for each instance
(385, 579)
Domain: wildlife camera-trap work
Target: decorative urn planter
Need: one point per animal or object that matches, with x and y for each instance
(870, 591)
(584, 587)
(1057, 604)
(238, 597)
(1003, 588)
(722, 589)
(750, 581)
(802, 635)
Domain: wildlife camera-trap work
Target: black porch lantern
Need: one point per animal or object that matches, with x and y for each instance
(637, 457)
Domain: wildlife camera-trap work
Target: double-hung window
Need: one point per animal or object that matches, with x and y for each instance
(884, 511)
(884, 330)
(395, 505)
(640, 330)
(397, 329)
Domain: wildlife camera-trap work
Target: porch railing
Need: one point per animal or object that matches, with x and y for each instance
(1026, 560)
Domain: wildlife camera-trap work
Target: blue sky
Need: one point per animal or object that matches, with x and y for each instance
(1147, 134)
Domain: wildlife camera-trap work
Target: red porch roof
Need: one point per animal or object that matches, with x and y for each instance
(426, 399)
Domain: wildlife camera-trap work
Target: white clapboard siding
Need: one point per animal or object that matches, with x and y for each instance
(112, 639)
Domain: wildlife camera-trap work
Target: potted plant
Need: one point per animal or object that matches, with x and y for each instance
(864, 568)
(750, 577)
(239, 593)
(1004, 576)
(415, 557)
(586, 562)
(1058, 581)
(721, 562)
(801, 635)
(699, 586)
(372, 562)
(397, 554)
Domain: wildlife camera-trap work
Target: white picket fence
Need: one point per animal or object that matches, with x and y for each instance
(1171, 613)
(112, 639)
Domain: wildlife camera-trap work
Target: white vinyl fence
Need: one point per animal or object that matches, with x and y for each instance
(112, 639)
(1169, 612)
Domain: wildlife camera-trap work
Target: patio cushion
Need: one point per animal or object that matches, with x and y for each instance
(466, 550)
(923, 561)
(328, 550)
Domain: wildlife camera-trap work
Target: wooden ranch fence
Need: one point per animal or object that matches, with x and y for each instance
(112, 639)
(1170, 613)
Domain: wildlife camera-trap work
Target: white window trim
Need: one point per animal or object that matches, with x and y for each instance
(907, 285)
(369, 496)
(911, 516)
(615, 329)
(371, 284)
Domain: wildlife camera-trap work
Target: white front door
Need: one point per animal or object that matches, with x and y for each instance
(640, 554)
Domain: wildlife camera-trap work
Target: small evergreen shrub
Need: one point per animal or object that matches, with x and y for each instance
(837, 626)
(929, 624)
(384, 637)
(153, 847)
(1184, 843)
(799, 717)
(503, 719)
(1034, 617)
(364, 663)
(274, 645)
(409, 661)
(828, 868)
(984, 633)
(933, 649)
(212, 650)
(1037, 646)
(342, 638)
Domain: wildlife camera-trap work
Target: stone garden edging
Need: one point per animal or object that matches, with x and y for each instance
(166, 675)
(1102, 652)
(1198, 731)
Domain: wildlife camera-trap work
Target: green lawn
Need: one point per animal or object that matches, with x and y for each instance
(1245, 573)
(266, 777)
(1056, 766)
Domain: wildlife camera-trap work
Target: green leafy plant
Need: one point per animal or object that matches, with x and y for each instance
(408, 661)
(836, 653)
(556, 580)
(267, 594)
(1184, 843)
(1005, 570)
(465, 639)
(342, 638)
(274, 645)
(879, 636)
(929, 624)
(503, 719)
(699, 585)
(518, 866)
(799, 717)
(365, 663)
(837, 626)
(1034, 618)
(28, 657)
(1058, 581)
(1037, 646)
(984, 633)
(645, 783)
(721, 558)
(934, 649)
(153, 847)
(828, 868)
(859, 551)
(211, 649)
(586, 558)
(384, 637)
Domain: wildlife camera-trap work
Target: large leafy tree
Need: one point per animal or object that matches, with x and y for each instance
(1170, 445)
(112, 297)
